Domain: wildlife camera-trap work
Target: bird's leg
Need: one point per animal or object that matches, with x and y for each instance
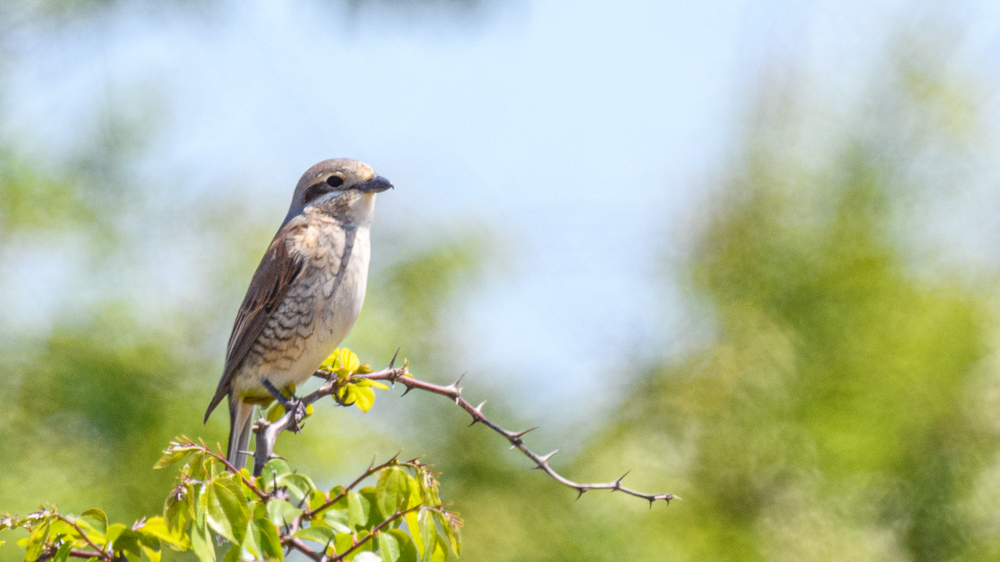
(293, 404)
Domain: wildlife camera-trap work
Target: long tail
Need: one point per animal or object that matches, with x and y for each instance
(240, 421)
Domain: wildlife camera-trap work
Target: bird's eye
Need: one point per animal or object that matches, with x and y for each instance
(335, 181)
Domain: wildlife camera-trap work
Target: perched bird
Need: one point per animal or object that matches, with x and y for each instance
(305, 295)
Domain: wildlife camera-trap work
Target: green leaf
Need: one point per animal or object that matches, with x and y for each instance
(96, 519)
(274, 469)
(358, 511)
(157, 527)
(392, 491)
(342, 542)
(450, 531)
(374, 518)
(339, 524)
(177, 512)
(336, 491)
(298, 484)
(282, 513)
(415, 496)
(413, 524)
(316, 533)
(233, 554)
(428, 534)
(114, 532)
(214, 515)
(316, 499)
(396, 546)
(201, 543)
(265, 536)
(388, 547)
(195, 467)
(439, 553)
(35, 544)
(149, 547)
(61, 555)
(228, 510)
(407, 550)
(59, 527)
(126, 541)
(173, 455)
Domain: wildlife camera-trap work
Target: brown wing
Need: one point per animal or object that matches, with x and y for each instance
(270, 283)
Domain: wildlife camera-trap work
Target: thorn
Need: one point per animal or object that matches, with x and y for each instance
(396, 456)
(474, 422)
(618, 483)
(371, 465)
(453, 387)
(479, 408)
(521, 434)
(545, 459)
(407, 391)
(394, 355)
(581, 490)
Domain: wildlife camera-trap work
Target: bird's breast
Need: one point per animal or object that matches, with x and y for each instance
(320, 308)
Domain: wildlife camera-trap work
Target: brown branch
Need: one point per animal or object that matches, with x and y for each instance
(73, 553)
(77, 553)
(267, 432)
(300, 546)
(103, 555)
(372, 469)
(374, 532)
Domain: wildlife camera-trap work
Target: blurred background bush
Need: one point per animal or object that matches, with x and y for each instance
(746, 250)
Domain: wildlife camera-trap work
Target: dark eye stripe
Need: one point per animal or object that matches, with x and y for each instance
(314, 191)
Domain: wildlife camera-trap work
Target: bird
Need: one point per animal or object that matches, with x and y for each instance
(304, 297)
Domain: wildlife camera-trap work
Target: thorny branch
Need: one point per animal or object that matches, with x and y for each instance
(267, 432)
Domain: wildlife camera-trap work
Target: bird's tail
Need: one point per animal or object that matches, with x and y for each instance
(240, 421)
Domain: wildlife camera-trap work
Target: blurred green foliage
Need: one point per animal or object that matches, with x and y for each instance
(842, 412)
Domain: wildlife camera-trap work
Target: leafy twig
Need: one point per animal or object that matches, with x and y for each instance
(103, 555)
(374, 532)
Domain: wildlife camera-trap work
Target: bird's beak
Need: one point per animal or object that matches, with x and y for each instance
(377, 184)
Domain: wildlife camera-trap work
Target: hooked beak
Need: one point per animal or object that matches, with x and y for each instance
(377, 184)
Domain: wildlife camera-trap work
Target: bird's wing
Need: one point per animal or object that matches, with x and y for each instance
(270, 283)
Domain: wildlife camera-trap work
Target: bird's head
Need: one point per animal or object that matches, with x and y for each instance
(341, 187)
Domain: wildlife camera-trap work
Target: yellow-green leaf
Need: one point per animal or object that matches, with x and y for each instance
(364, 398)
(316, 533)
(35, 544)
(392, 491)
(96, 519)
(265, 536)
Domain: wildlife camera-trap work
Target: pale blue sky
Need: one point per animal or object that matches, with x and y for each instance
(580, 133)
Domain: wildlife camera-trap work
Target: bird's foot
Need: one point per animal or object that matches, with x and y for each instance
(291, 404)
